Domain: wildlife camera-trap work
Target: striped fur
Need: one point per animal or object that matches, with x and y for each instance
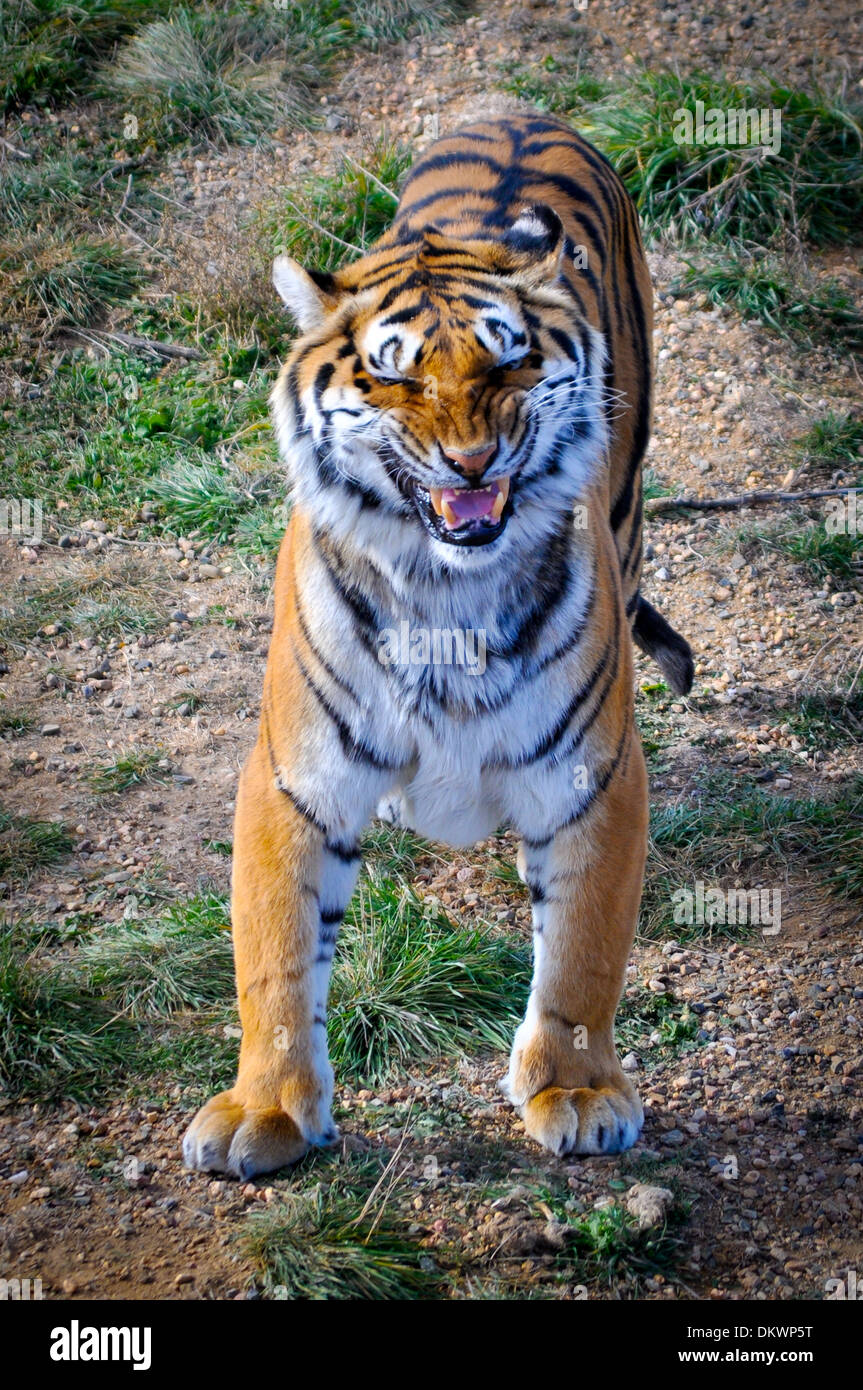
(464, 417)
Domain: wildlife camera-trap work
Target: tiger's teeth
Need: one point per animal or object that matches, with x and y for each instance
(448, 514)
(435, 494)
(500, 499)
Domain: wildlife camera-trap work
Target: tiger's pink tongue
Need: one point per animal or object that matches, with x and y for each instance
(467, 505)
(458, 505)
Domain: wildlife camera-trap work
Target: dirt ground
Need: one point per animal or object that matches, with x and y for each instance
(759, 1125)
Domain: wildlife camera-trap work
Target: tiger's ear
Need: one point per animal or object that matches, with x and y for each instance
(309, 295)
(535, 243)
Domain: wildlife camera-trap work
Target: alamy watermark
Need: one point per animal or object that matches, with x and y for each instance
(752, 126)
(850, 1288)
(21, 516)
(433, 646)
(844, 515)
(20, 1290)
(735, 906)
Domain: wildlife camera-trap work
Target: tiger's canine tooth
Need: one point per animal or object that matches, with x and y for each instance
(500, 499)
(435, 494)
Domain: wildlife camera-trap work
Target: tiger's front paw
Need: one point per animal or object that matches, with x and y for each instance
(581, 1120)
(229, 1137)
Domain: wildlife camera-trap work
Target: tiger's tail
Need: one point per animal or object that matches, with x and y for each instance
(669, 650)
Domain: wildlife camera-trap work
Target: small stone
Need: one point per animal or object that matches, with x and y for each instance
(50, 730)
(649, 1205)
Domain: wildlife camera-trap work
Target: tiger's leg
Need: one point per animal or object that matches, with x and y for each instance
(291, 885)
(585, 883)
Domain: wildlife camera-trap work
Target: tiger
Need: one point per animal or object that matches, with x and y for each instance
(463, 417)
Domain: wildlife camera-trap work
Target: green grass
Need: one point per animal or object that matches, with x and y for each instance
(189, 78)
(763, 287)
(238, 69)
(330, 219)
(643, 1014)
(379, 23)
(111, 599)
(606, 1248)
(833, 442)
(48, 47)
(824, 720)
(101, 433)
(54, 281)
(722, 837)
(55, 1039)
(391, 850)
(410, 984)
(812, 188)
(811, 546)
(28, 844)
(15, 722)
(181, 960)
(46, 193)
(323, 1245)
(192, 1051)
(217, 501)
(552, 86)
(132, 769)
(222, 847)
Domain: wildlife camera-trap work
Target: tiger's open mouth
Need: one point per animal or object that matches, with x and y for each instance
(465, 515)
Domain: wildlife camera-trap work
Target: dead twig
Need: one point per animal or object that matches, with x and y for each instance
(743, 499)
(374, 178)
(316, 227)
(122, 206)
(13, 149)
(137, 344)
(121, 167)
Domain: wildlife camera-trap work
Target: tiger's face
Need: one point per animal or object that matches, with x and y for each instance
(448, 386)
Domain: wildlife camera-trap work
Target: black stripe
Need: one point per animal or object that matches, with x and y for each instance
(348, 854)
(355, 749)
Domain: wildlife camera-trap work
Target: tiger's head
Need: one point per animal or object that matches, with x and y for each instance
(445, 390)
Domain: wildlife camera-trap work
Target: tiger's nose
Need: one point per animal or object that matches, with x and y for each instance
(473, 462)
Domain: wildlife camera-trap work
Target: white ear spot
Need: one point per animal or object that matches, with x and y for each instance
(528, 225)
(305, 300)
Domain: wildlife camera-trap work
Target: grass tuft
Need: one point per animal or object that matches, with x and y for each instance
(55, 1039)
(52, 281)
(819, 551)
(217, 500)
(329, 220)
(812, 186)
(833, 442)
(181, 960)
(754, 840)
(27, 845)
(132, 769)
(803, 306)
(378, 23)
(318, 1247)
(48, 47)
(410, 984)
(192, 75)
